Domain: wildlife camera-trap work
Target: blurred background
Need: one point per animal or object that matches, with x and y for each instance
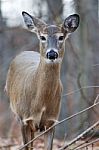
(80, 66)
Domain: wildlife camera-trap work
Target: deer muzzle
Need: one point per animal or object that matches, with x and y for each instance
(52, 55)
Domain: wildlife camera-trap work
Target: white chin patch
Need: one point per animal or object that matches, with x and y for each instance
(48, 61)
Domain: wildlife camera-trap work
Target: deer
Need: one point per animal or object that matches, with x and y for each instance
(33, 82)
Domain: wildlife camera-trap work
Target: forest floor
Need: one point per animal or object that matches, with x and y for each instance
(13, 144)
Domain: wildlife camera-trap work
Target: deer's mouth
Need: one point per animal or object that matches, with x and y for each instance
(53, 61)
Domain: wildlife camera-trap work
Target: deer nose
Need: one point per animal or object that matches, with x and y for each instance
(52, 55)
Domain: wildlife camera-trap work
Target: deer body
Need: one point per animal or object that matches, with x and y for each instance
(42, 90)
(33, 81)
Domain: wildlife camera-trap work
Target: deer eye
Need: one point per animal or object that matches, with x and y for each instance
(43, 38)
(61, 38)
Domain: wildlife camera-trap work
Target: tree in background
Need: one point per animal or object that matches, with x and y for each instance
(3, 54)
(89, 57)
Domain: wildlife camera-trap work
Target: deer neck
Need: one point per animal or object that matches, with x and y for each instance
(49, 72)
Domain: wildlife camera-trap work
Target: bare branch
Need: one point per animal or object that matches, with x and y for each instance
(96, 99)
(57, 123)
(87, 144)
(80, 87)
(95, 65)
(86, 141)
(79, 136)
(78, 90)
(82, 93)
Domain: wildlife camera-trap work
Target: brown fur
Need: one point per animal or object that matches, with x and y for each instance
(34, 88)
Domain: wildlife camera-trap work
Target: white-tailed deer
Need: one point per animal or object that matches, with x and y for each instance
(33, 81)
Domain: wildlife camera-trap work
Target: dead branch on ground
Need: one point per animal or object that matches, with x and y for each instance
(79, 136)
(87, 144)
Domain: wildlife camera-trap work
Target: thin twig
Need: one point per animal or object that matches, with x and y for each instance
(94, 65)
(87, 144)
(80, 87)
(96, 99)
(86, 141)
(84, 87)
(79, 136)
(83, 95)
(57, 123)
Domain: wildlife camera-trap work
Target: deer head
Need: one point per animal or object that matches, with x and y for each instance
(51, 37)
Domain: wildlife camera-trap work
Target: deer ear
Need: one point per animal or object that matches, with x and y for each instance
(33, 23)
(28, 20)
(71, 23)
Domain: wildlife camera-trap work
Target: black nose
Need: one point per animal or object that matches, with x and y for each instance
(52, 55)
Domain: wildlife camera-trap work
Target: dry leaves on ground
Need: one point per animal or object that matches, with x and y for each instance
(12, 144)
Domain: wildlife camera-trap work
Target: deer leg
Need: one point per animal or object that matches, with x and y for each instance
(27, 135)
(48, 139)
(31, 133)
(28, 132)
(32, 137)
(24, 135)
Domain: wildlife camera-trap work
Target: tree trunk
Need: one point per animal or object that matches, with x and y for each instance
(89, 52)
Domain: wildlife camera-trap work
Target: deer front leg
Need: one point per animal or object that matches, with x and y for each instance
(27, 134)
(48, 139)
(32, 130)
(24, 135)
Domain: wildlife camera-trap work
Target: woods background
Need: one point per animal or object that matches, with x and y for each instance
(80, 65)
